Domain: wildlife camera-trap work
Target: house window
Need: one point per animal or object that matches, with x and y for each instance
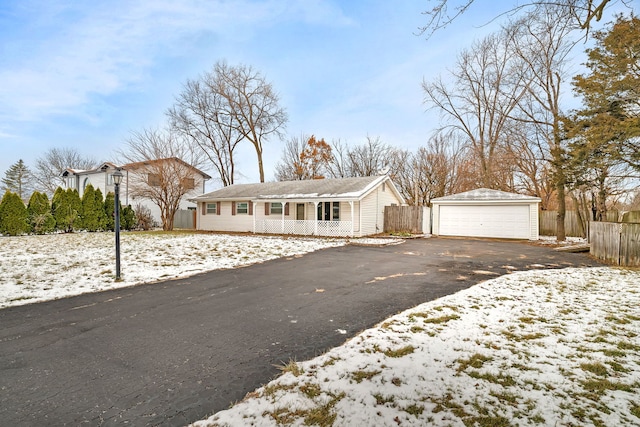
(188, 183)
(242, 208)
(275, 208)
(212, 208)
(336, 211)
(153, 179)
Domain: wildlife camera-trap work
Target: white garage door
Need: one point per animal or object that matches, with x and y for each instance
(501, 221)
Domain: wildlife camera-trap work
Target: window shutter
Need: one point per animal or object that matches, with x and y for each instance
(218, 207)
(204, 208)
(267, 206)
(286, 209)
(233, 208)
(250, 207)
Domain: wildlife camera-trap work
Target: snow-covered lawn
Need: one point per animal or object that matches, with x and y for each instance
(40, 268)
(537, 348)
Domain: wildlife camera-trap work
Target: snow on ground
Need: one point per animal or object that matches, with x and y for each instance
(536, 348)
(40, 268)
(552, 240)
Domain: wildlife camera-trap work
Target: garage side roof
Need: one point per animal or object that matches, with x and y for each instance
(488, 195)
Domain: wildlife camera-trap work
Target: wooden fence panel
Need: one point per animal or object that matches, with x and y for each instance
(548, 225)
(632, 216)
(185, 218)
(604, 238)
(630, 245)
(403, 219)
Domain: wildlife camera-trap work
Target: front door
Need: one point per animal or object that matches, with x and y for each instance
(300, 211)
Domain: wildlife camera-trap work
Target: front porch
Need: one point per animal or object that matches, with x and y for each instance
(305, 227)
(306, 218)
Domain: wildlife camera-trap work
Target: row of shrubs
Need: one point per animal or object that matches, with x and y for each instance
(66, 212)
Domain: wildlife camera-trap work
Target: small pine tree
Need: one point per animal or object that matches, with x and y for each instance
(18, 179)
(129, 221)
(13, 215)
(39, 214)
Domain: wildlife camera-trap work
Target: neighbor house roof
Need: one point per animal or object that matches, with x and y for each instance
(338, 188)
(486, 194)
(130, 166)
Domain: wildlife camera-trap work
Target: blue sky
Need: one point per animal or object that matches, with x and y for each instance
(85, 74)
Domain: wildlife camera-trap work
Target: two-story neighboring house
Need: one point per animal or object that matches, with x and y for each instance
(142, 182)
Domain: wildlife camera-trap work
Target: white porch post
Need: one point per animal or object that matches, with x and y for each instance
(254, 216)
(282, 206)
(315, 214)
(352, 217)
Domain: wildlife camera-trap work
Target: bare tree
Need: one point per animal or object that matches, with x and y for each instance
(581, 13)
(53, 162)
(287, 169)
(486, 86)
(201, 114)
(339, 164)
(370, 158)
(543, 43)
(250, 104)
(162, 168)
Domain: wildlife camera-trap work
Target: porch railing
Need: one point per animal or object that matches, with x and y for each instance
(304, 227)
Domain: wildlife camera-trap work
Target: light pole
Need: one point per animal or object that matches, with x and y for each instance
(117, 179)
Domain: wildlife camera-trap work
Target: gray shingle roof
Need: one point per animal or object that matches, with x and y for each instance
(309, 189)
(487, 194)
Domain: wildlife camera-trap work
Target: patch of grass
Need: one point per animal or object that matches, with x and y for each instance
(331, 361)
(442, 319)
(284, 416)
(396, 381)
(626, 345)
(359, 376)
(416, 329)
(617, 367)
(323, 415)
(522, 337)
(271, 390)
(503, 380)
(614, 353)
(617, 320)
(403, 351)
(595, 368)
(634, 408)
(291, 366)
(381, 400)
(415, 410)
(474, 361)
(600, 386)
(506, 398)
(310, 390)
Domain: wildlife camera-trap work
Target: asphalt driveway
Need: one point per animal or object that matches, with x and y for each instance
(174, 352)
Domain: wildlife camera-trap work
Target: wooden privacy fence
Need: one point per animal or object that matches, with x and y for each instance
(410, 219)
(548, 225)
(618, 243)
(185, 219)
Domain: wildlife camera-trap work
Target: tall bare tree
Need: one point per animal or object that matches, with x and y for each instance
(51, 164)
(201, 114)
(163, 168)
(250, 104)
(544, 40)
(486, 85)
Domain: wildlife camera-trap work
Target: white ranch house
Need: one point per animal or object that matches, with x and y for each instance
(101, 177)
(325, 207)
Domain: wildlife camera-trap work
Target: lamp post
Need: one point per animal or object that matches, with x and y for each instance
(117, 179)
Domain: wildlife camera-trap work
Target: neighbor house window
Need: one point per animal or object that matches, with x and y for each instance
(212, 208)
(275, 208)
(188, 183)
(242, 208)
(153, 179)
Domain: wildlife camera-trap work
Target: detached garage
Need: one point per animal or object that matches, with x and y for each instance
(486, 213)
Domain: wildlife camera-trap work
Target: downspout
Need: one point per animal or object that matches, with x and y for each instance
(352, 217)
